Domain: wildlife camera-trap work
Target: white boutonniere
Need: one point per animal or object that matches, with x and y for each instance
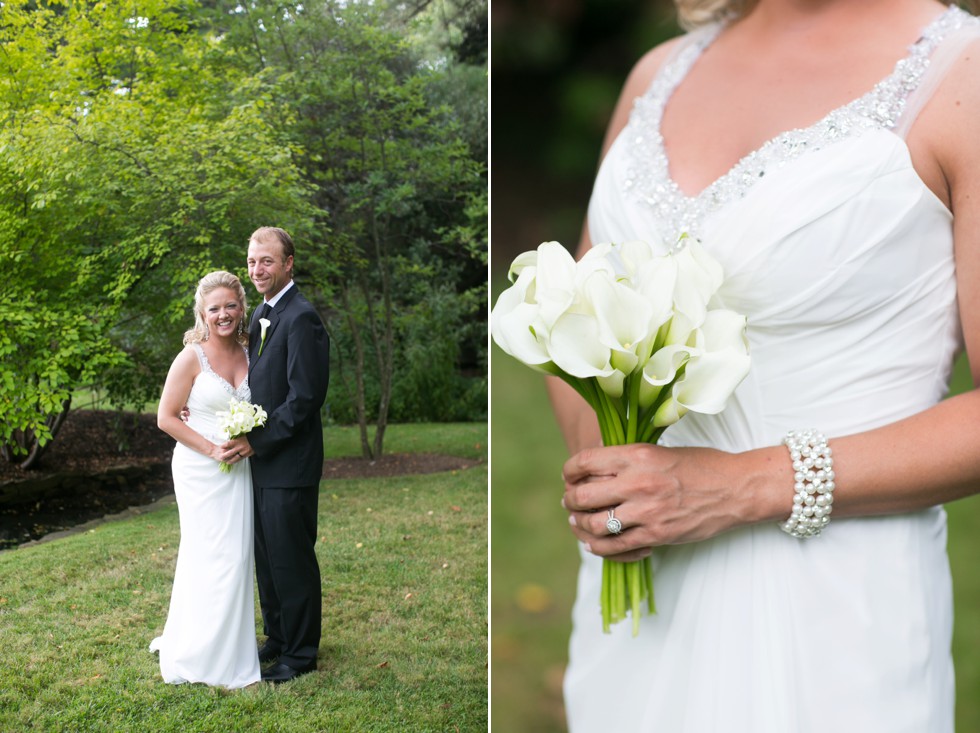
(264, 324)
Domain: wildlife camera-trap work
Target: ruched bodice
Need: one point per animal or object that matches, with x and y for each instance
(829, 259)
(841, 258)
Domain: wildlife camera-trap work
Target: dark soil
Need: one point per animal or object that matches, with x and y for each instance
(94, 441)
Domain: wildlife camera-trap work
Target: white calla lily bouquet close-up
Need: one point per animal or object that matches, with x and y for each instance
(640, 337)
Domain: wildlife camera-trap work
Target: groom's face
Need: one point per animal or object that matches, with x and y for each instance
(267, 268)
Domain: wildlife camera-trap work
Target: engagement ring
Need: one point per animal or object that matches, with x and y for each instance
(612, 524)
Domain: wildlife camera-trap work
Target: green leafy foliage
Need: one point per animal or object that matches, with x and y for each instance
(129, 164)
(397, 180)
(142, 142)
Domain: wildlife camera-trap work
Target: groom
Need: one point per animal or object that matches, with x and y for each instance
(288, 374)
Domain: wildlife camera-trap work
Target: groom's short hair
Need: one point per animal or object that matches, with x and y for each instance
(275, 234)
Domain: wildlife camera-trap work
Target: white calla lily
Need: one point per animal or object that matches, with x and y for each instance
(621, 260)
(513, 320)
(661, 370)
(636, 255)
(682, 331)
(655, 281)
(522, 262)
(709, 380)
(264, 324)
(724, 329)
(575, 348)
(716, 367)
(623, 319)
(554, 287)
(698, 278)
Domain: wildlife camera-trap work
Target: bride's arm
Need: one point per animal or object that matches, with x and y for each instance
(176, 390)
(934, 457)
(668, 496)
(575, 418)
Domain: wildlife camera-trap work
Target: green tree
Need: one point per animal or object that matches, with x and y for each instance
(132, 157)
(394, 177)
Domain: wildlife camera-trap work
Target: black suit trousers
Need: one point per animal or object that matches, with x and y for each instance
(287, 572)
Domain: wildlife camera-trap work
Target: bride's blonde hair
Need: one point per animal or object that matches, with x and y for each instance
(210, 282)
(692, 13)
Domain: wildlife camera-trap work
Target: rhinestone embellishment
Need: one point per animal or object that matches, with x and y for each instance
(648, 178)
(613, 525)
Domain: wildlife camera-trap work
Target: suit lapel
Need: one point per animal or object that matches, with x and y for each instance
(253, 337)
(254, 330)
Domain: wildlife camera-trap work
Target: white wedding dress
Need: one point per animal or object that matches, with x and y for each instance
(842, 260)
(209, 636)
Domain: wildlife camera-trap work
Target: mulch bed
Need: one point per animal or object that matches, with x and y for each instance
(92, 441)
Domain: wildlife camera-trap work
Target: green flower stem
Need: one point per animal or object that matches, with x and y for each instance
(635, 588)
(615, 596)
(648, 584)
(613, 418)
(621, 421)
(626, 585)
(605, 598)
(651, 433)
(633, 419)
(610, 423)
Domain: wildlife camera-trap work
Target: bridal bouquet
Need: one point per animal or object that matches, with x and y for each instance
(240, 418)
(635, 334)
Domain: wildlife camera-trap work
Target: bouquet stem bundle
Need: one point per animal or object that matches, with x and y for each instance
(625, 585)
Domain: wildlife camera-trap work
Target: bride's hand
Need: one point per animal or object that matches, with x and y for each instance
(234, 450)
(662, 496)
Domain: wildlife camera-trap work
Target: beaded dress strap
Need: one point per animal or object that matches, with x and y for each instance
(947, 52)
(228, 387)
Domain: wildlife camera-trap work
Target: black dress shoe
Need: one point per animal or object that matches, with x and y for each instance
(283, 673)
(268, 653)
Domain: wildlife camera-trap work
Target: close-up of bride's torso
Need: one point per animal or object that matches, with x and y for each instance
(835, 233)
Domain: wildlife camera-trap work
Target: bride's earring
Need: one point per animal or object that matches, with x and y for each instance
(207, 331)
(241, 327)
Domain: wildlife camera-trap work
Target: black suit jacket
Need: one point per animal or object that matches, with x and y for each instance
(289, 380)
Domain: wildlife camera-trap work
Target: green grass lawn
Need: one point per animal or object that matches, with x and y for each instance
(534, 562)
(468, 440)
(404, 567)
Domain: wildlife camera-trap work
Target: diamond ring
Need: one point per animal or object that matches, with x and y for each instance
(612, 524)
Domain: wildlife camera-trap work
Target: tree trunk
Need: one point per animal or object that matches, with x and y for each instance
(360, 398)
(385, 341)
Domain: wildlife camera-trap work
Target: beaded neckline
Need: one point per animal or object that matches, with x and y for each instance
(243, 392)
(648, 179)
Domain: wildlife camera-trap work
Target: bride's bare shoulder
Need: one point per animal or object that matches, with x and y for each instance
(948, 126)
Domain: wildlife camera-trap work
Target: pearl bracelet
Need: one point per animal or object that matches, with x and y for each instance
(813, 467)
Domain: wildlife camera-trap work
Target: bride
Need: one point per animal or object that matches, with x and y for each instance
(826, 153)
(209, 636)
